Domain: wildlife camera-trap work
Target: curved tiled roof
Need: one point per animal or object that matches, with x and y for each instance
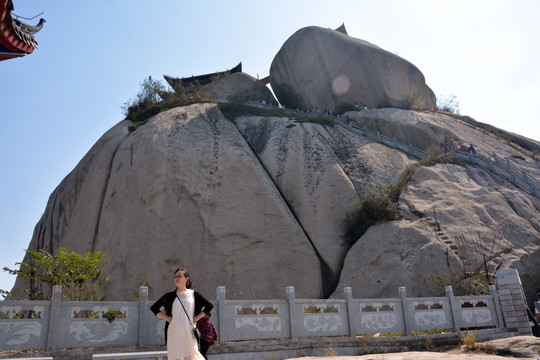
(16, 37)
(194, 82)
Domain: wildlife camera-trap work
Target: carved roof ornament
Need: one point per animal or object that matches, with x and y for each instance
(16, 37)
(26, 32)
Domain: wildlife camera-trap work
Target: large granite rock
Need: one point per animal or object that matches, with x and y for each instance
(320, 170)
(241, 86)
(323, 68)
(453, 217)
(258, 204)
(394, 254)
(182, 190)
(410, 127)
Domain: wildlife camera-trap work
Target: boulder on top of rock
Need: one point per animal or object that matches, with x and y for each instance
(324, 68)
(241, 86)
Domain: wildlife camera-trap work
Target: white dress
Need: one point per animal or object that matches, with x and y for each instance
(181, 343)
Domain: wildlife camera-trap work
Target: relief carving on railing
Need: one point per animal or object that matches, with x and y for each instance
(26, 325)
(257, 318)
(322, 323)
(94, 332)
(378, 317)
(21, 333)
(475, 312)
(430, 314)
(319, 318)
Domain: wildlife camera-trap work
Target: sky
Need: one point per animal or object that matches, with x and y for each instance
(93, 55)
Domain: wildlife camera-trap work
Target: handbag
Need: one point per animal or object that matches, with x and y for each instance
(196, 331)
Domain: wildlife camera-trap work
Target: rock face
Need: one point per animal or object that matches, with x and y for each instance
(241, 86)
(323, 68)
(391, 253)
(320, 170)
(453, 216)
(258, 204)
(410, 127)
(182, 190)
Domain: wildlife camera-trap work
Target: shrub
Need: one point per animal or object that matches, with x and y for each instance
(345, 107)
(317, 119)
(381, 204)
(153, 98)
(234, 110)
(375, 207)
(79, 275)
(330, 351)
(468, 341)
(412, 100)
(429, 343)
(139, 113)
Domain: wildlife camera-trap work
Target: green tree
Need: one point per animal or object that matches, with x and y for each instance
(149, 93)
(79, 275)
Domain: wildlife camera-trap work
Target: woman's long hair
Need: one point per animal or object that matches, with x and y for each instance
(189, 283)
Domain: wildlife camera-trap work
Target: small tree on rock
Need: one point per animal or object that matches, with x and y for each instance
(79, 275)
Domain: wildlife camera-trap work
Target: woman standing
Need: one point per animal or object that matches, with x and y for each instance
(181, 342)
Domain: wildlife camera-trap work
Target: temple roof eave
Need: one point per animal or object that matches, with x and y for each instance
(16, 37)
(194, 82)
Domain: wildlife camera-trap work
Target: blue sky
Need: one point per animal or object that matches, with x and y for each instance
(92, 56)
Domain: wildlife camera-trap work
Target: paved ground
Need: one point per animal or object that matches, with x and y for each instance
(416, 355)
(518, 347)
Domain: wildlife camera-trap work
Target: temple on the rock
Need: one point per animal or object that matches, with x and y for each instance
(195, 82)
(16, 37)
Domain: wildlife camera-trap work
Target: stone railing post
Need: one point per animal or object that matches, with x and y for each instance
(143, 316)
(513, 304)
(291, 298)
(497, 301)
(223, 333)
(406, 324)
(350, 312)
(54, 320)
(454, 306)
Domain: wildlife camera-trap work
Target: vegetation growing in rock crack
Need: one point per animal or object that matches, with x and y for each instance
(345, 107)
(411, 100)
(381, 204)
(153, 98)
(233, 110)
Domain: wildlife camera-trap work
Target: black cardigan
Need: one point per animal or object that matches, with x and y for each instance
(167, 300)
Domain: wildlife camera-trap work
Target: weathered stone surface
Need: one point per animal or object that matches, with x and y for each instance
(320, 170)
(259, 205)
(410, 127)
(182, 190)
(427, 129)
(241, 86)
(323, 68)
(490, 215)
(476, 213)
(392, 254)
